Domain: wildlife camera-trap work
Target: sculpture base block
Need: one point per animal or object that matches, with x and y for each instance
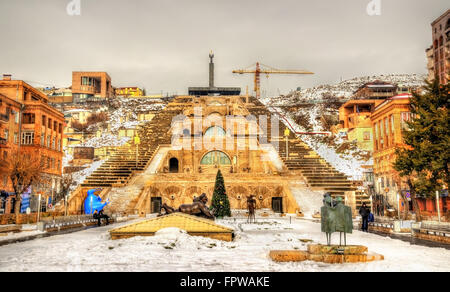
(327, 254)
(336, 249)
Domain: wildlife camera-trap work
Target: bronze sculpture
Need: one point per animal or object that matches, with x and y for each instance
(251, 206)
(197, 208)
(335, 217)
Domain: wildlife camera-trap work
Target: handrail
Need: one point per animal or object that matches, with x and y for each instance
(292, 128)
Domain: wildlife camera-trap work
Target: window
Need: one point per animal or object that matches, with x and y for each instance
(27, 138)
(16, 118)
(386, 127)
(28, 118)
(59, 145)
(6, 135)
(48, 141)
(16, 138)
(49, 124)
(53, 143)
(42, 139)
(406, 117)
(392, 124)
(366, 135)
(43, 120)
(215, 158)
(215, 132)
(43, 162)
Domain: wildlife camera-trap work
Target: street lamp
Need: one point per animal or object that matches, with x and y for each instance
(438, 206)
(137, 141)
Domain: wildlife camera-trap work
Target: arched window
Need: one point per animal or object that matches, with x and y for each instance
(215, 158)
(215, 131)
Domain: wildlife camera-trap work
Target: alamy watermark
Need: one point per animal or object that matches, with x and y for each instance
(74, 8)
(374, 8)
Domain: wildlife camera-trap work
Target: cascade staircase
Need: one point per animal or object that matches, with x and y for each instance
(119, 169)
(319, 174)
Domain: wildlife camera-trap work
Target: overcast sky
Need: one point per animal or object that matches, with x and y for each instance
(164, 44)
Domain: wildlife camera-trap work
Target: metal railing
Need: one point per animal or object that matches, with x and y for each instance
(67, 220)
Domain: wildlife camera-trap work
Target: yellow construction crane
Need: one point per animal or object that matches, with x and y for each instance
(268, 70)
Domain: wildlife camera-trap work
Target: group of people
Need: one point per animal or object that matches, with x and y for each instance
(366, 216)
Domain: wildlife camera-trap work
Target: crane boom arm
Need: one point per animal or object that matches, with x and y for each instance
(273, 71)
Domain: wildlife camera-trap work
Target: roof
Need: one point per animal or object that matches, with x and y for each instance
(397, 97)
(182, 221)
(376, 84)
(77, 110)
(440, 17)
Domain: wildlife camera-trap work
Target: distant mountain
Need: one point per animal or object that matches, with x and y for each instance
(343, 90)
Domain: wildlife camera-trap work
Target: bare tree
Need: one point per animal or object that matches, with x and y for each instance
(66, 184)
(24, 169)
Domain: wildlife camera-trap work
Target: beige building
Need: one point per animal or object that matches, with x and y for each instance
(438, 55)
(354, 117)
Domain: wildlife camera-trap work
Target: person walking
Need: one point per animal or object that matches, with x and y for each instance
(364, 212)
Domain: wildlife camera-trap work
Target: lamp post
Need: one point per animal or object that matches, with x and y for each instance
(286, 134)
(39, 208)
(137, 141)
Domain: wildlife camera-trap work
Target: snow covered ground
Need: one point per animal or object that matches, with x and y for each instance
(19, 235)
(174, 250)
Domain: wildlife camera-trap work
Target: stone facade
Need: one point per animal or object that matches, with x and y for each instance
(213, 133)
(90, 86)
(39, 130)
(388, 121)
(438, 54)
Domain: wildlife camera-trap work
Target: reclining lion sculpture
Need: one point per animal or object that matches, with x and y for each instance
(197, 208)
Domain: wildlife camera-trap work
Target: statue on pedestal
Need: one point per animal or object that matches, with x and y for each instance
(335, 217)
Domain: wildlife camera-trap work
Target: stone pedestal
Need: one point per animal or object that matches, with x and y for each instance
(333, 254)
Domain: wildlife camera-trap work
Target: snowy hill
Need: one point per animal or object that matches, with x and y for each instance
(344, 89)
(316, 109)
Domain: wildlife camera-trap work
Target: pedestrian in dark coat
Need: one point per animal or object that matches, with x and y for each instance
(104, 216)
(364, 212)
(96, 215)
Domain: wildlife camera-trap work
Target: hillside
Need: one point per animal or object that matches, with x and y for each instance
(316, 110)
(343, 90)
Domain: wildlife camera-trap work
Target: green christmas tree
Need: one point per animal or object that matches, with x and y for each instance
(220, 203)
(423, 164)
